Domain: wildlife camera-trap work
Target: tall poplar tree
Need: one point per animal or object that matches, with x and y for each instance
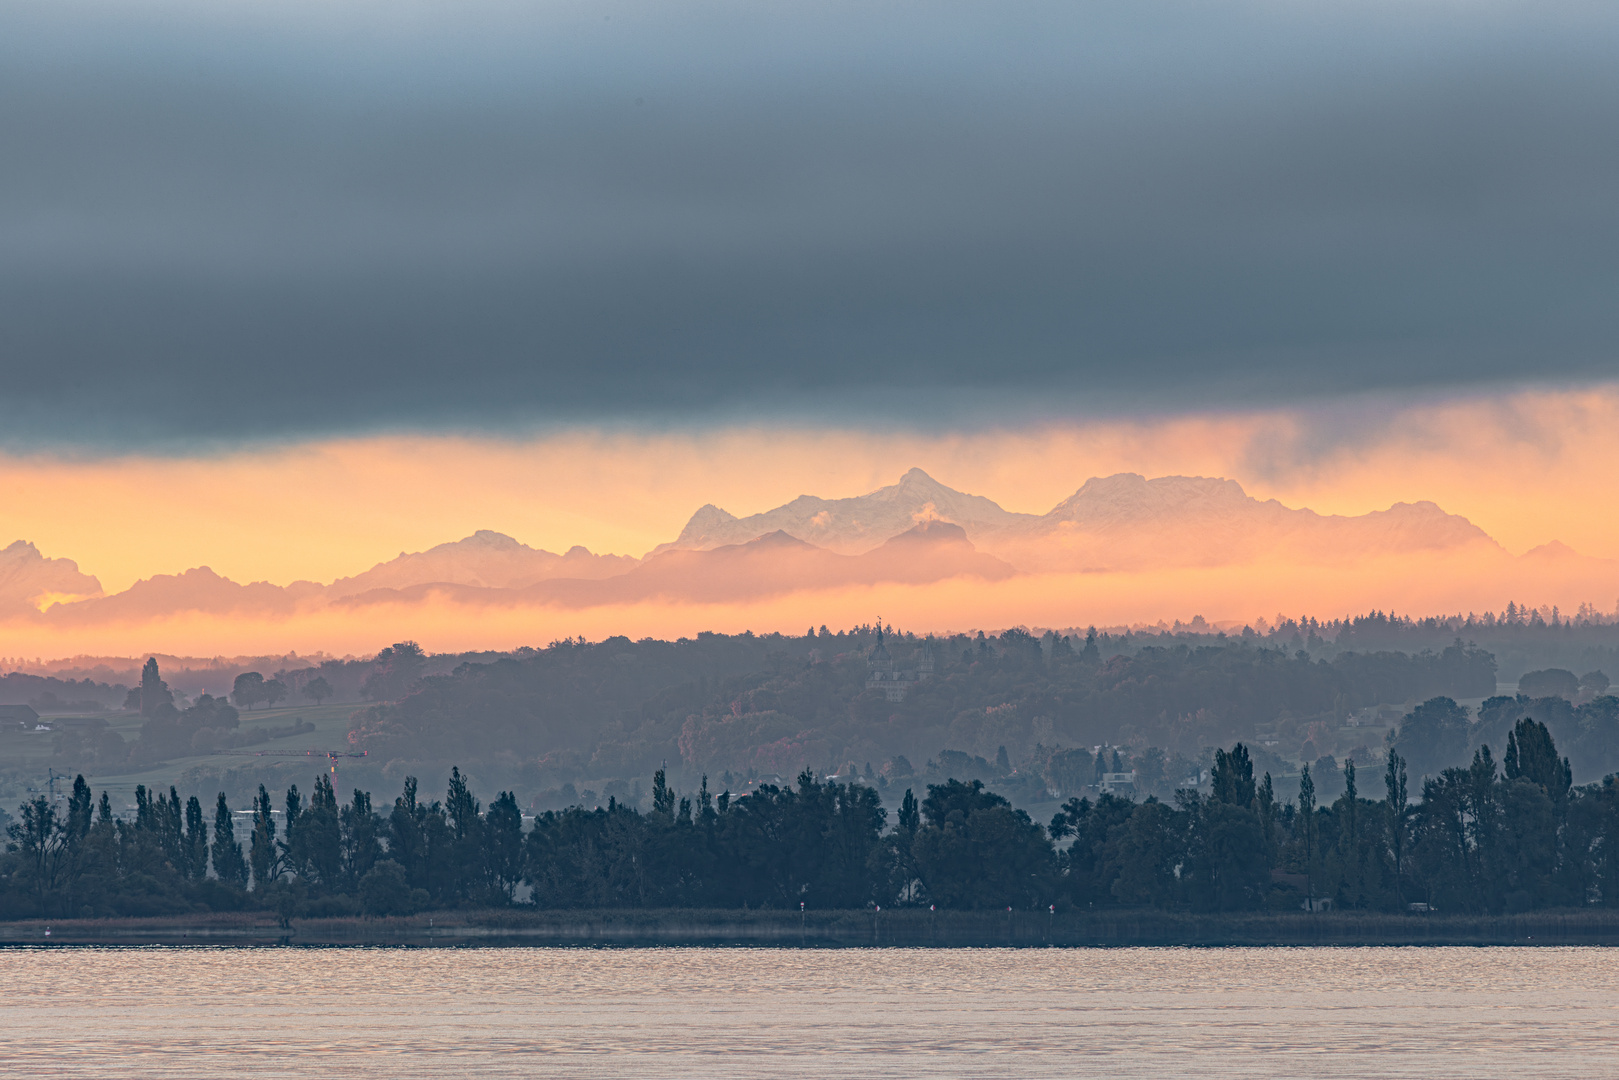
(1349, 839)
(1394, 782)
(265, 862)
(228, 862)
(195, 844)
(1307, 827)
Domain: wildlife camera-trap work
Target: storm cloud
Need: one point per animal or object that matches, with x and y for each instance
(220, 221)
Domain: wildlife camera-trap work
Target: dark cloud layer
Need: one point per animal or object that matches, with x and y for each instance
(223, 222)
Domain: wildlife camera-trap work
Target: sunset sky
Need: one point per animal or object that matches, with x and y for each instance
(289, 289)
(1528, 468)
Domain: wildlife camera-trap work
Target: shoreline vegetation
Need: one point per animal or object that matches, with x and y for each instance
(904, 927)
(1478, 845)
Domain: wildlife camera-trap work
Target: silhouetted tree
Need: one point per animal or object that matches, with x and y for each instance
(248, 690)
(229, 865)
(1532, 755)
(263, 855)
(503, 829)
(361, 838)
(154, 691)
(196, 841)
(1307, 827)
(1396, 807)
(1091, 653)
(1233, 776)
(1433, 735)
(394, 672)
(273, 692)
(963, 824)
(467, 864)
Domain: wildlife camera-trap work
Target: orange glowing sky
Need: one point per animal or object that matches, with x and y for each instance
(1527, 468)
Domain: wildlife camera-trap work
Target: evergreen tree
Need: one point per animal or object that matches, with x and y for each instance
(1090, 654)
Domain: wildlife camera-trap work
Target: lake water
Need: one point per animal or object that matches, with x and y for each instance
(288, 1012)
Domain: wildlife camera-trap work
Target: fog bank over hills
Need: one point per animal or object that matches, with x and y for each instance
(1172, 546)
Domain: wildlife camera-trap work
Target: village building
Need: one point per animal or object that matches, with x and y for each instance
(888, 677)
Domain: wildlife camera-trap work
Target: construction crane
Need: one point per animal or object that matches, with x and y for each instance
(330, 755)
(52, 776)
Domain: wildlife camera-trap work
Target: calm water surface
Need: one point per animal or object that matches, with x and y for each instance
(270, 1013)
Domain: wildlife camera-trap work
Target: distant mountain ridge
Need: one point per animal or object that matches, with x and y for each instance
(1119, 521)
(916, 531)
(768, 565)
(851, 526)
(485, 559)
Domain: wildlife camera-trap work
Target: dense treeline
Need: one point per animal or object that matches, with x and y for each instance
(1481, 838)
(1521, 638)
(48, 693)
(639, 721)
(777, 704)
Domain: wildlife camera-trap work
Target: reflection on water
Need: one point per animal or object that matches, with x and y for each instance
(270, 1013)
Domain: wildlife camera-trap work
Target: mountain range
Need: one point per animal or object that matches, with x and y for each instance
(1111, 523)
(916, 531)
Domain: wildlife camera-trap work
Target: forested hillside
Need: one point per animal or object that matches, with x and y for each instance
(748, 706)
(584, 722)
